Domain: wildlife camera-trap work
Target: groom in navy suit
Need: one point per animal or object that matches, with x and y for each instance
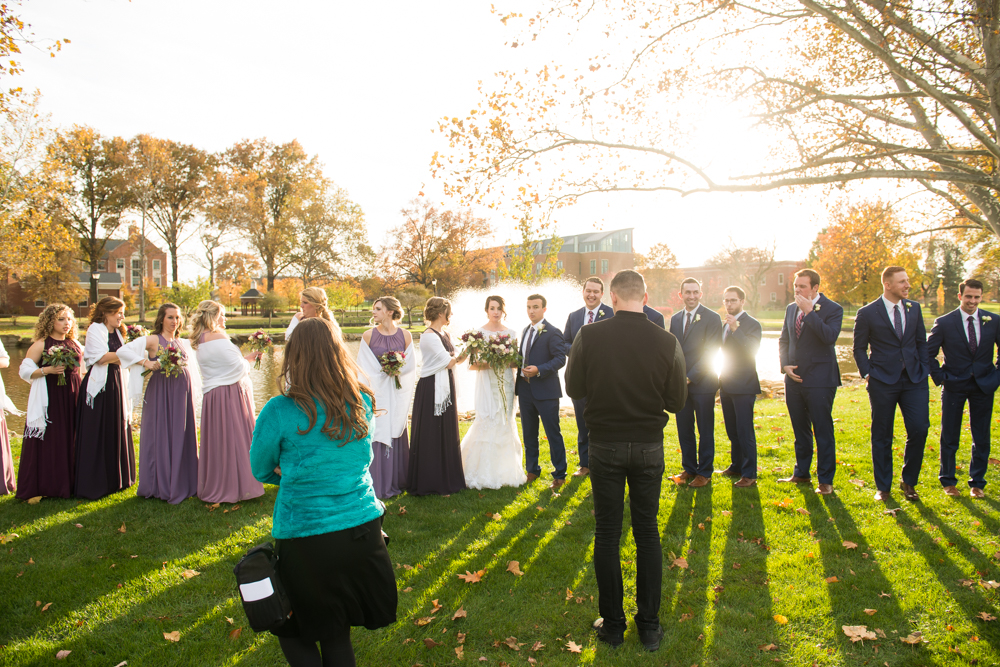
(968, 336)
(890, 348)
(538, 391)
(592, 311)
(807, 348)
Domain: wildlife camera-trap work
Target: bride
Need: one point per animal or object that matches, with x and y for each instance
(491, 449)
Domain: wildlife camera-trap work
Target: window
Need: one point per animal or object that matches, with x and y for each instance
(136, 272)
(102, 265)
(774, 297)
(593, 267)
(538, 267)
(763, 279)
(559, 264)
(781, 278)
(83, 303)
(604, 266)
(120, 264)
(156, 281)
(39, 303)
(156, 266)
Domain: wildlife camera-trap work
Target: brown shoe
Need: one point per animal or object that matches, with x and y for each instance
(824, 489)
(951, 491)
(745, 482)
(908, 491)
(882, 496)
(698, 482)
(532, 477)
(556, 483)
(582, 472)
(730, 472)
(796, 480)
(976, 492)
(683, 476)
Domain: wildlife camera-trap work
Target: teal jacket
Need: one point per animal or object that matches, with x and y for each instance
(323, 487)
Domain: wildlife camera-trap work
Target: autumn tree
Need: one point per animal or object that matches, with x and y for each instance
(530, 260)
(745, 266)
(237, 267)
(90, 174)
(329, 231)
(412, 297)
(838, 91)
(144, 173)
(659, 268)
(15, 33)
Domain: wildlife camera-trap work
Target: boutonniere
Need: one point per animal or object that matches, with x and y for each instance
(986, 318)
(697, 318)
(542, 330)
(908, 304)
(816, 308)
(600, 313)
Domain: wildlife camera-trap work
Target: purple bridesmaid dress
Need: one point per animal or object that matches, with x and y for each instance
(389, 464)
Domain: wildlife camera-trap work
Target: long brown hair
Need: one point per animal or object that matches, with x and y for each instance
(317, 368)
(103, 308)
(161, 314)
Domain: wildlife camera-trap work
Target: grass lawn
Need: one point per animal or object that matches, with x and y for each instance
(116, 585)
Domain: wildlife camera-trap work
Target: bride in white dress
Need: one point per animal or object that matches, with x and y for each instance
(491, 449)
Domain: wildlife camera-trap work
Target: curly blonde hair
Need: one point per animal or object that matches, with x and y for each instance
(203, 320)
(47, 320)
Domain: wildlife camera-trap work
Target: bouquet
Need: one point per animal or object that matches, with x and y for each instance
(259, 341)
(171, 360)
(133, 331)
(475, 343)
(392, 364)
(500, 353)
(60, 355)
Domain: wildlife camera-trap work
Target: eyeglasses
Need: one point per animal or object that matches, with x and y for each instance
(730, 301)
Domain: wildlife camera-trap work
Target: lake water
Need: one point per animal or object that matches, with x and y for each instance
(264, 378)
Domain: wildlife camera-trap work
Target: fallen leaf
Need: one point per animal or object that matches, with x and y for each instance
(986, 617)
(803, 510)
(497, 517)
(435, 607)
(736, 566)
(511, 642)
(46, 607)
(459, 652)
(989, 584)
(786, 503)
(229, 620)
(430, 643)
(894, 511)
(883, 594)
(461, 613)
(213, 507)
(880, 632)
(685, 617)
(726, 513)
(174, 636)
(858, 633)
(858, 482)
(401, 510)
(235, 634)
(35, 500)
(187, 574)
(407, 567)
(573, 647)
(62, 654)
(122, 529)
(832, 580)
(423, 621)
(537, 646)
(31, 561)
(408, 589)
(569, 594)
(850, 545)
(122, 663)
(6, 539)
(871, 612)
(780, 620)
(472, 577)
(515, 568)
(679, 562)
(767, 647)
(914, 638)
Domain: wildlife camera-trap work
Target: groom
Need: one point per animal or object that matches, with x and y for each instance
(538, 391)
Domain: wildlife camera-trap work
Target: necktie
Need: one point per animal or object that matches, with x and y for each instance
(798, 324)
(527, 346)
(897, 322)
(590, 317)
(687, 325)
(972, 335)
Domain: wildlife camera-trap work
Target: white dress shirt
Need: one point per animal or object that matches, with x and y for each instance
(889, 306)
(588, 311)
(738, 316)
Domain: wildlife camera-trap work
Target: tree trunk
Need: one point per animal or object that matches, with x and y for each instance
(173, 265)
(142, 268)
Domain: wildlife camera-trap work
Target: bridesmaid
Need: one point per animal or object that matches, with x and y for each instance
(312, 303)
(105, 452)
(7, 484)
(168, 442)
(47, 450)
(390, 446)
(227, 413)
(435, 449)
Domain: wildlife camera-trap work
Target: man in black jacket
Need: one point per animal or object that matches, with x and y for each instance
(632, 373)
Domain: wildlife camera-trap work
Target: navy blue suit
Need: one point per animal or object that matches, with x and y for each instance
(700, 344)
(574, 323)
(654, 316)
(810, 402)
(739, 388)
(966, 376)
(539, 398)
(897, 372)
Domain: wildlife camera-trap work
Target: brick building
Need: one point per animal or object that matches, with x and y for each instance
(775, 288)
(600, 254)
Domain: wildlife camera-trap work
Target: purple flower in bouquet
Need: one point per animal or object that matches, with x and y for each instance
(259, 341)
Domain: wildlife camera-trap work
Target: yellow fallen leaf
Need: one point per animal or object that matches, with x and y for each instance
(6, 539)
(726, 513)
(174, 636)
(459, 652)
(461, 613)
(435, 607)
(511, 642)
(35, 500)
(858, 633)
(913, 638)
(408, 589)
(423, 621)
(461, 637)
(680, 562)
(229, 620)
(832, 580)
(803, 511)
(62, 654)
(472, 577)
(871, 612)
(514, 567)
(780, 620)
(187, 574)
(767, 647)
(46, 607)
(986, 617)
(849, 545)
(122, 529)
(573, 647)
(537, 646)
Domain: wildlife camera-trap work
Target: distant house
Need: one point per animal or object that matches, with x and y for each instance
(601, 254)
(775, 288)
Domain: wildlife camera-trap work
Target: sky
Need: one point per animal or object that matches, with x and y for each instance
(362, 85)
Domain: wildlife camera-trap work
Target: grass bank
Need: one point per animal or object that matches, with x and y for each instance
(114, 572)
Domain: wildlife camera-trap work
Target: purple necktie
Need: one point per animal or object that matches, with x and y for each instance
(972, 335)
(798, 324)
(897, 322)
(527, 346)
(590, 317)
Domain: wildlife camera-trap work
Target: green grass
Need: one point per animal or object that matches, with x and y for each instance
(114, 594)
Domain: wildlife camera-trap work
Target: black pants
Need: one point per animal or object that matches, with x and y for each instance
(953, 399)
(811, 411)
(612, 466)
(912, 399)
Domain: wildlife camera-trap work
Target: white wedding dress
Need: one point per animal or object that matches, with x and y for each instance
(491, 449)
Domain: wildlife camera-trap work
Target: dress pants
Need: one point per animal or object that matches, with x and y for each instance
(811, 411)
(953, 398)
(697, 456)
(546, 410)
(737, 411)
(912, 399)
(582, 432)
(612, 466)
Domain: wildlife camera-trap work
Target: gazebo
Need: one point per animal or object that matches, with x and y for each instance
(249, 300)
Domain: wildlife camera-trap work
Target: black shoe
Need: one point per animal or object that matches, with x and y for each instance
(651, 638)
(612, 639)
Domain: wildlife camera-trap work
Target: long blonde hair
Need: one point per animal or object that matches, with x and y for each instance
(318, 298)
(318, 369)
(47, 320)
(203, 320)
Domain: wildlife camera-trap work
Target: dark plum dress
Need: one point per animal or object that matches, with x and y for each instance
(389, 464)
(435, 448)
(105, 453)
(168, 441)
(47, 466)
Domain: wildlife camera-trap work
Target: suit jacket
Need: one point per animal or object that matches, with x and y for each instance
(815, 351)
(700, 345)
(880, 354)
(548, 352)
(655, 316)
(576, 320)
(739, 350)
(948, 334)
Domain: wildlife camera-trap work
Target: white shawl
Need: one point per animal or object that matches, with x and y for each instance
(396, 402)
(95, 347)
(435, 362)
(38, 401)
(5, 402)
(222, 365)
(291, 326)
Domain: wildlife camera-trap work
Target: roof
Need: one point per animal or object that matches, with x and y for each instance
(252, 293)
(113, 279)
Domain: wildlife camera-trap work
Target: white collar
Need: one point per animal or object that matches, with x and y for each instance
(693, 311)
(740, 314)
(966, 316)
(538, 326)
(889, 304)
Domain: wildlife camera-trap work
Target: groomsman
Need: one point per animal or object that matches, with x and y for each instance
(890, 348)
(967, 336)
(739, 385)
(593, 311)
(654, 316)
(699, 331)
(807, 347)
(538, 391)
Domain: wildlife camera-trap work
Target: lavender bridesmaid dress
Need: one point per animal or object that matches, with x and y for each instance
(389, 464)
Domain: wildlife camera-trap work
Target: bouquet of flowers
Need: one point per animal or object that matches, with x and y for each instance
(259, 341)
(133, 331)
(60, 355)
(171, 360)
(475, 343)
(500, 352)
(392, 364)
